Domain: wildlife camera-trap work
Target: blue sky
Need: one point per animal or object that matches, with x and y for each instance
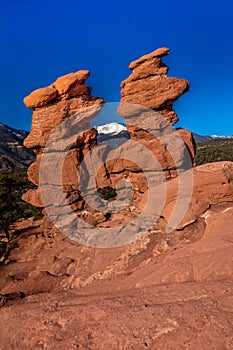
(43, 39)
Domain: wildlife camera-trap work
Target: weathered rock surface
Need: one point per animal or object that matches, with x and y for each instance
(56, 105)
(161, 52)
(67, 86)
(73, 84)
(149, 85)
(40, 97)
(163, 291)
(103, 263)
(146, 104)
(52, 106)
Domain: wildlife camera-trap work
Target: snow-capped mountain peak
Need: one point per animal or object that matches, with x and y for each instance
(112, 134)
(111, 128)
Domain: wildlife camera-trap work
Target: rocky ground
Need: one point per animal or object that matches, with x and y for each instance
(164, 291)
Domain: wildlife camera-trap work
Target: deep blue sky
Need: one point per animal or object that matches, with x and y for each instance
(43, 39)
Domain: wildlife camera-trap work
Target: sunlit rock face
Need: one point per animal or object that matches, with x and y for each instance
(165, 290)
(52, 107)
(67, 105)
(149, 86)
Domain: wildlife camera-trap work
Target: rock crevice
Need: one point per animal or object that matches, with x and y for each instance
(148, 87)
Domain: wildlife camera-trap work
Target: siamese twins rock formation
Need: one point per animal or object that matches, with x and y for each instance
(146, 105)
(164, 290)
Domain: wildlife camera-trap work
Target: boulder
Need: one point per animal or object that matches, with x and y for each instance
(149, 86)
(62, 137)
(40, 97)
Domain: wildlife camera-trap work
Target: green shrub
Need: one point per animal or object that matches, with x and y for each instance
(214, 151)
(12, 207)
(108, 193)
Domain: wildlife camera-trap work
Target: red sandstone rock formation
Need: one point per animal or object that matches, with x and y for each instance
(148, 91)
(149, 85)
(162, 291)
(52, 105)
(55, 103)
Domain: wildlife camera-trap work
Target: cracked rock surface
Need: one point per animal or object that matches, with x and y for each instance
(166, 290)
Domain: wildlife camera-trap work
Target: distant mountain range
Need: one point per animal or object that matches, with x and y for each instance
(200, 138)
(114, 134)
(116, 130)
(13, 154)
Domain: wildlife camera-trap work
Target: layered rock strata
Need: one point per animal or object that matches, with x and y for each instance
(169, 289)
(52, 107)
(146, 105)
(148, 86)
